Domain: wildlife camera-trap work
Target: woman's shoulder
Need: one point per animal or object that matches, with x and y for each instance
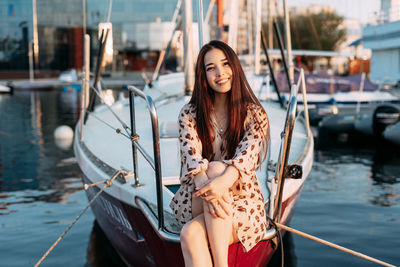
(187, 109)
(254, 109)
(253, 106)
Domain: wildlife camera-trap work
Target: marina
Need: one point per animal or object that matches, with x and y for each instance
(351, 197)
(101, 166)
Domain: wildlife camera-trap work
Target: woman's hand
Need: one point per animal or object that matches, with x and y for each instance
(212, 189)
(219, 208)
(215, 193)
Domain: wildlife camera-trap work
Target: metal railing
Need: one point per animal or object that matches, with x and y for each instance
(155, 162)
(286, 139)
(282, 169)
(302, 82)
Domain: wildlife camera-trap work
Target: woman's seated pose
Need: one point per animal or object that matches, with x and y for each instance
(223, 134)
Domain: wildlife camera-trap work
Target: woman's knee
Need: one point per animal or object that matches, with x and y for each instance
(215, 168)
(191, 233)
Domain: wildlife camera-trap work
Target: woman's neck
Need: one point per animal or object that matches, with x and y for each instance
(220, 103)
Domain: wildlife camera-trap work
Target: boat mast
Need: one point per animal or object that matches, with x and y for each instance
(84, 17)
(188, 47)
(257, 42)
(233, 24)
(200, 22)
(270, 22)
(209, 11)
(288, 42)
(35, 35)
(250, 34)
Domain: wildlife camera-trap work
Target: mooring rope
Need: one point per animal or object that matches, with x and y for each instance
(355, 253)
(108, 183)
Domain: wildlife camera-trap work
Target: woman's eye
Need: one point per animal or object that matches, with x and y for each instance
(209, 68)
(226, 63)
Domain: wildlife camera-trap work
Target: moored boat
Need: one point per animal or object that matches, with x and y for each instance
(375, 122)
(340, 95)
(129, 211)
(392, 133)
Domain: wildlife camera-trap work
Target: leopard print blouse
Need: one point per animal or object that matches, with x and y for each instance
(249, 220)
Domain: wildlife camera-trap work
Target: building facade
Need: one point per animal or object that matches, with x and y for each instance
(60, 27)
(382, 36)
(15, 33)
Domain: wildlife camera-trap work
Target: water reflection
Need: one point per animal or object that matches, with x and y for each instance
(27, 153)
(64, 144)
(385, 174)
(108, 96)
(289, 259)
(385, 166)
(100, 251)
(376, 170)
(28, 150)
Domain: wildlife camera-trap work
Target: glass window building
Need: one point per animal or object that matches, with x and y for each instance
(60, 28)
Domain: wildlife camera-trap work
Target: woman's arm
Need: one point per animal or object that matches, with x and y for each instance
(215, 192)
(245, 160)
(219, 185)
(255, 139)
(192, 161)
(200, 179)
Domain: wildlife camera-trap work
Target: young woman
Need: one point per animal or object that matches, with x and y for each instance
(224, 133)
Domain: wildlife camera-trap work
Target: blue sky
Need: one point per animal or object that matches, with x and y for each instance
(358, 9)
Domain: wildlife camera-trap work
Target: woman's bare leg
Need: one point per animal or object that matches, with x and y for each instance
(194, 243)
(219, 231)
(197, 206)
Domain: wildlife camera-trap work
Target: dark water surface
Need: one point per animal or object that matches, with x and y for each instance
(352, 196)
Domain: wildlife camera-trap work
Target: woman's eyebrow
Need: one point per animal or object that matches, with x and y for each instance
(222, 60)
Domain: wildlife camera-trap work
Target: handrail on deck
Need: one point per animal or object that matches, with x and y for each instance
(286, 139)
(302, 82)
(155, 162)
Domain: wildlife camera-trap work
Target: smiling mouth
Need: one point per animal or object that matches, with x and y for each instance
(222, 82)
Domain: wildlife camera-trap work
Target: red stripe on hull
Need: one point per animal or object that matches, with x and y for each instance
(258, 256)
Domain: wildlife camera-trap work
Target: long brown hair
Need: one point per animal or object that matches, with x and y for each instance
(239, 97)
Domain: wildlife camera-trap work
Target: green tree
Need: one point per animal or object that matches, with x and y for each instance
(321, 31)
(317, 31)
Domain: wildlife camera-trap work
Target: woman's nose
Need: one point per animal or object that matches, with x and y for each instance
(219, 71)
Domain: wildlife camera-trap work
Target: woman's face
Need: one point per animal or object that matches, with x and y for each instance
(218, 71)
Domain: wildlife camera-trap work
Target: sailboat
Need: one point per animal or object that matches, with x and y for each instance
(130, 192)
